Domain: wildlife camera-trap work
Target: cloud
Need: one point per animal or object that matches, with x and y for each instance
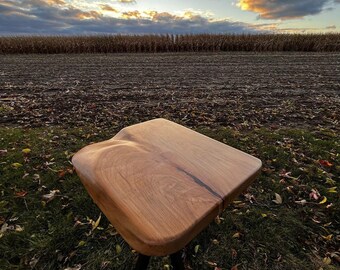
(56, 2)
(127, 1)
(106, 7)
(331, 27)
(284, 9)
(59, 17)
(132, 14)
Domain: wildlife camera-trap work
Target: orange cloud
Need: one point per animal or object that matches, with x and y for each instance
(106, 7)
(132, 14)
(252, 5)
(160, 16)
(283, 9)
(56, 2)
(190, 15)
(86, 15)
(127, 1)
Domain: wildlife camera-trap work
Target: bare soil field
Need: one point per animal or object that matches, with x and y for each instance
(243, 90)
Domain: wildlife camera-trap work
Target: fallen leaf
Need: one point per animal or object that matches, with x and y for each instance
(263, 215)
(336, 255)
(332, 190)
(18, 228)
(236, 235)
(330, 181)
(250, 197)
(327, 260)
(26, 151)
(316, 221)
(197, 247)
(237, 202)
(323, 200)
(61, 173)
(21, 194)
(215, 242)
(118, 249)
(76, 267)
(302, 202)
(278, 199)
(211, 263)
(81, 243)
(16, 165)
(325, 163)
(233, 253)
(4, 228)
(235, 267)
(217, 220)
(328, 237)
(50, 196)
(285, 174)
(314, 194)
(329, 205)
(105, 264)
(95, 225)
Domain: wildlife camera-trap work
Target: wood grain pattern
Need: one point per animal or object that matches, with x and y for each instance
(160, 183)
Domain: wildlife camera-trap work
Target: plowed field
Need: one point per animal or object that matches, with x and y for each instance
(243, 90)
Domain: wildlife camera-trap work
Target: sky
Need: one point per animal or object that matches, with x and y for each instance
(87, 17)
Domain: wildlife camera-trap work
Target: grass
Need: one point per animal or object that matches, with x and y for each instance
(253, 233)
(170, 43)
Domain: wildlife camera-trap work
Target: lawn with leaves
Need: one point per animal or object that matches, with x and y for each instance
(288, 219)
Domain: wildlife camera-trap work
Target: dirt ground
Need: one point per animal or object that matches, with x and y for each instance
(242, 90)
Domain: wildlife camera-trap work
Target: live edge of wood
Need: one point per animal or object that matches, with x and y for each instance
(160, 184)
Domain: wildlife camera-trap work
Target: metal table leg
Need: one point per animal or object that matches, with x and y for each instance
(142, 262)
(177, 261)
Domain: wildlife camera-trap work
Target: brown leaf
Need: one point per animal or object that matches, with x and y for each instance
(21, 194)
(235, 267)
(233, 253)
(61, 173)
(236, 235)
(325, 163)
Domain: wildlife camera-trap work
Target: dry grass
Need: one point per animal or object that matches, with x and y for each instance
(169, 43)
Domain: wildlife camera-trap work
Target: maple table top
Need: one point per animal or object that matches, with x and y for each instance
(160, 184)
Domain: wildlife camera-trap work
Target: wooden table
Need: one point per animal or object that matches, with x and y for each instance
(160, 184)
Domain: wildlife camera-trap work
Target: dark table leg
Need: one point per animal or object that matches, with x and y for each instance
(142, 262)
(177, 261)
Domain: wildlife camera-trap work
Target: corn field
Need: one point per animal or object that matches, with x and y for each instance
(169, 43)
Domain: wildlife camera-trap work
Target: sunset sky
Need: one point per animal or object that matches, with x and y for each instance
(160, 16)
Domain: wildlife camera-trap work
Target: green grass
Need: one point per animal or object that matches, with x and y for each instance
(253, 232)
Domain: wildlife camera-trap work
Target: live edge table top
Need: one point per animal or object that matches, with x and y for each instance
(160, 183)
